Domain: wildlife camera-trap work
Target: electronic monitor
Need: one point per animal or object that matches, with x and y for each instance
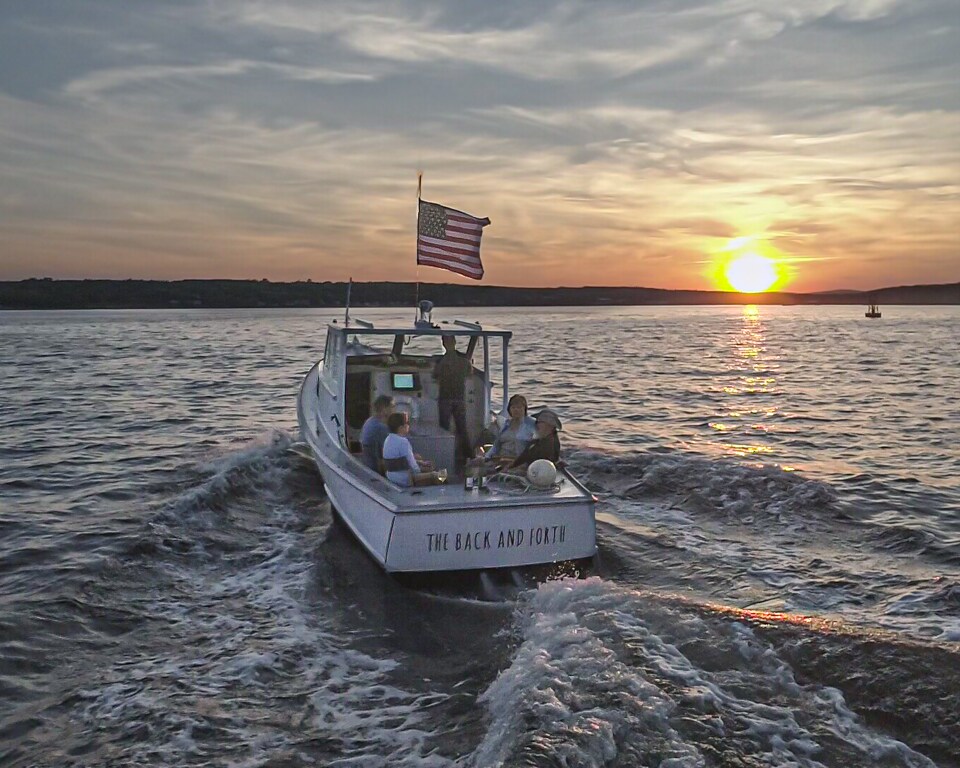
(404, 382)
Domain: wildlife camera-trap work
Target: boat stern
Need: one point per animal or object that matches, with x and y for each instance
(496, 537)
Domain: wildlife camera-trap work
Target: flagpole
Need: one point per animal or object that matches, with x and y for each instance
(416, 298)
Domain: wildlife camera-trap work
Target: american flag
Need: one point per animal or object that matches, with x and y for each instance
(449, 239)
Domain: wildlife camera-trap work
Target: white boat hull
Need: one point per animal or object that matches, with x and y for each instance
(443, 528)
(490, 538)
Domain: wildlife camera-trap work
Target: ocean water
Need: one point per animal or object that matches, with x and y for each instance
(779, 534)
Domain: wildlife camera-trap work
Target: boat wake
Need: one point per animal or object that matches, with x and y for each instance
(759, 536)
(266, 635)
(604, 675)
(240, 658)
(727, 489)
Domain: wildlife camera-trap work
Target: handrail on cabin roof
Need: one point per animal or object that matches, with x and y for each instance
(464, 328)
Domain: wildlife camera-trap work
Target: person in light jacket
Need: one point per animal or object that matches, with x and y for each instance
(516, 434)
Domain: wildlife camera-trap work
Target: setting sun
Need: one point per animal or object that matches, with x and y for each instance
(751, 273)
(748, 264)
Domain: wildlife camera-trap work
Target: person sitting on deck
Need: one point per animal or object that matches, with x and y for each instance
(375, 432)
(546, 445)
(398, 457)
(516, 434)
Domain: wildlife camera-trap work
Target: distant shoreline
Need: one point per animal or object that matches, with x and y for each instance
(239, 294)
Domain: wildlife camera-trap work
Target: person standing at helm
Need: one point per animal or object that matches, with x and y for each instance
(451, 373)
(546, 445)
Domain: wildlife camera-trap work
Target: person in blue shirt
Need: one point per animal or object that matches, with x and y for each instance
(516, 434)
(375, 432)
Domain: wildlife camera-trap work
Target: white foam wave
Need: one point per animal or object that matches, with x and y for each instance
(258, 467)
(604, 676)
(249, 672)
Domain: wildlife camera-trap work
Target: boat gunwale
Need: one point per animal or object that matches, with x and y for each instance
(320, 455)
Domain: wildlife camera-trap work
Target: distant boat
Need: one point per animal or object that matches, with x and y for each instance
(872, 311)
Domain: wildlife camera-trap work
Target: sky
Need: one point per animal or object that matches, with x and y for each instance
(610, 143)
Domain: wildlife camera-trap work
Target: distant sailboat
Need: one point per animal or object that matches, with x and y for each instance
(872, 311)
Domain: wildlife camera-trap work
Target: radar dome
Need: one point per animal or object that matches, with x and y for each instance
(542, 473)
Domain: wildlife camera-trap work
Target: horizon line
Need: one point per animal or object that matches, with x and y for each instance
(311, 281)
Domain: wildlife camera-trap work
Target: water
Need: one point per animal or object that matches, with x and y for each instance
(779, 528)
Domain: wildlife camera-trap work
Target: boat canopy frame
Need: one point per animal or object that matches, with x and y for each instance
(404, 335)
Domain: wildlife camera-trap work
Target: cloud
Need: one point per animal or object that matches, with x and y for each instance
(545, 43)
(550, 41)
(99, 81)
(610, 142)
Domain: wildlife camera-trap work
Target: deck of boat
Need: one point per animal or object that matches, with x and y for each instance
(499, 493)
(453, 496)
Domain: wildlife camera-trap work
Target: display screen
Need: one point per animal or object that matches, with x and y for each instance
(403, 381)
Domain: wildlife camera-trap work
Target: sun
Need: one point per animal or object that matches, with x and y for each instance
(748, 264)
(751, 273)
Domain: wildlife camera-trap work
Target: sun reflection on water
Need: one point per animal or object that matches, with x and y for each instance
(751, 373)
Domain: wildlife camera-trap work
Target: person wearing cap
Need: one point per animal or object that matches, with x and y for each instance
(546, 444)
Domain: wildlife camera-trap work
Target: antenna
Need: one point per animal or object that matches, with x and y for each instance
(346, 314)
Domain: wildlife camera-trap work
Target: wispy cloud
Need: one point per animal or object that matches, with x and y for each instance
(610, 142)
(97, 82)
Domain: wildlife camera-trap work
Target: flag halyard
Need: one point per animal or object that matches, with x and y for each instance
(449, 239)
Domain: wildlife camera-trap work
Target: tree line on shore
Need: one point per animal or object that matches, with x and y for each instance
(46, 293)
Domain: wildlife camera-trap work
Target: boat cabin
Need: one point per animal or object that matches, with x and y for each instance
(362, 361)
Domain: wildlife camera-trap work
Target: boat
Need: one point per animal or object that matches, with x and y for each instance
(872, 311)
(467, 523)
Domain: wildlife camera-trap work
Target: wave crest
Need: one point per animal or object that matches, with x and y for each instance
(715, 485)
(606, 675)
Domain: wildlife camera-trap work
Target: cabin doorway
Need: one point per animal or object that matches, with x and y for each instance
(357, 406)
